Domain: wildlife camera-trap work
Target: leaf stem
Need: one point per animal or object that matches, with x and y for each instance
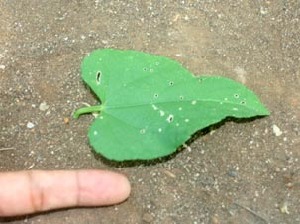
(86, 110)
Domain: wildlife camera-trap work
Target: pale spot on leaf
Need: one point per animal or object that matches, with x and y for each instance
(154, 107)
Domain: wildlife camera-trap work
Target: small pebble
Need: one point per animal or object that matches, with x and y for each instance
(66, 120)
(44, 106)
(284, 208)
(147, 217)
(30, 125)
(232, 173)
(276, 130)
(263, 11)
(215, 219)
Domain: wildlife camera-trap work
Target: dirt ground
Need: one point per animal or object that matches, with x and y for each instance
(246, 172)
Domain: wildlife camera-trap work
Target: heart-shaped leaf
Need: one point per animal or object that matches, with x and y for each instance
(150, 105)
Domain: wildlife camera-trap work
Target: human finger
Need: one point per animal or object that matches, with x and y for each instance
(25, 192)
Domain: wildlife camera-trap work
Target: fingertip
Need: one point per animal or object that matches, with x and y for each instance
(120, 188)
(125, 188)
(46, 190)
(98, 188)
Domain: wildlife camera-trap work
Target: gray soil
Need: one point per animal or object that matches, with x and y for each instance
(245, 172)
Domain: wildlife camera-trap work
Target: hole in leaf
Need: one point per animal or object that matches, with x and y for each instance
(142, 131)
(98, 77)
(155, 95)
(243, 102)
(171, 83)
(236, 95)
(170, 118)
(181, 97)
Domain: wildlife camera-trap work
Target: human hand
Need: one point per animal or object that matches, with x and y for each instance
(26, 192)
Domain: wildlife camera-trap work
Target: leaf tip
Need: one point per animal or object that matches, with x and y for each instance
(263, 111)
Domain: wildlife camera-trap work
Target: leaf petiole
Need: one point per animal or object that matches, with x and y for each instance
(86, 110)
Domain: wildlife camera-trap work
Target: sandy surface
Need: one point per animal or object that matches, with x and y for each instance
(238, 173)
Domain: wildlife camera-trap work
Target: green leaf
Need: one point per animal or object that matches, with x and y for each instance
(150, 105)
